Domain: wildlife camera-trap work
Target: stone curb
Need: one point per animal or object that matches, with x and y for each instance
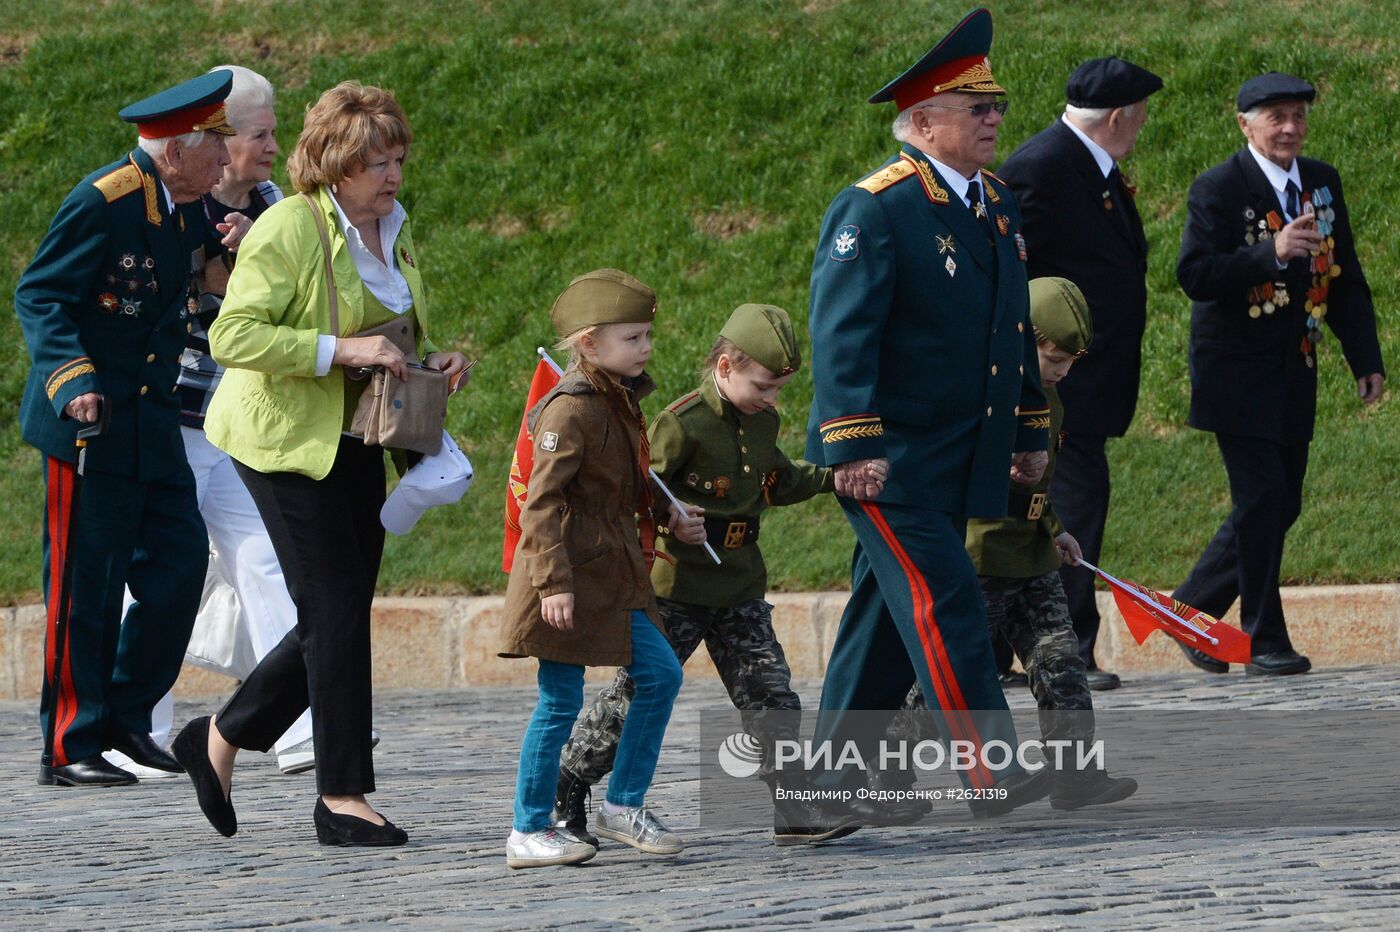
(435, 642)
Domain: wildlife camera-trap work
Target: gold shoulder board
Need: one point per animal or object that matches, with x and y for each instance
(119, 183)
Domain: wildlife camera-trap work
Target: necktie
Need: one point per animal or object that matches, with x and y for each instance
(1293, 207)
(979, 210)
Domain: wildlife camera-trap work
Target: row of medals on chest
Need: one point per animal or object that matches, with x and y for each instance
(1266, 298)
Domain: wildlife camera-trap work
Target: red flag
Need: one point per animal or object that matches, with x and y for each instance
(1146, 610)
(521, 464)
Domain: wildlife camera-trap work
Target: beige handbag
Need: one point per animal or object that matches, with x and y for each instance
(397, 414)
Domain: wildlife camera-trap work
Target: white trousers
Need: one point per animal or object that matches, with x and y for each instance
(245, 596)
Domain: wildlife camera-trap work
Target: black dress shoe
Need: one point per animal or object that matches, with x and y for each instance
(90, 771)
(1203, 661)
(886, 815)
(140, 748)
(1021, 788)
(191, 747)
(353, 831)
(1100, 680)
(1077, 789)
(1013, 679)
(1278, 663)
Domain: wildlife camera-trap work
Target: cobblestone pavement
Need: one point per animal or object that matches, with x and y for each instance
(143, 856)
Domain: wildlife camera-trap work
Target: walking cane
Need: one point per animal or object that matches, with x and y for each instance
(64, 595)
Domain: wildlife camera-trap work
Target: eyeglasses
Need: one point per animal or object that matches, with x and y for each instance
(979, 111)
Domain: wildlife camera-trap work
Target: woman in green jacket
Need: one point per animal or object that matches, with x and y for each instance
(283, 413)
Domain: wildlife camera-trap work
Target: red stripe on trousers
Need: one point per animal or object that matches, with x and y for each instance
(64, 703)
(945, 680)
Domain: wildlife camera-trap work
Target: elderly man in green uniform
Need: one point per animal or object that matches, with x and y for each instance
(1018, 559)
(105, 307)
(923, 358)
(717, 447)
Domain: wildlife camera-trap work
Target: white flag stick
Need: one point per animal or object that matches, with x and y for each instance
(679, 505)
(1146, 600)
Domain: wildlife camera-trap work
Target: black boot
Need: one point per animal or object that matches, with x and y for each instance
(1075, 789)
(570, 800)
(800, 820)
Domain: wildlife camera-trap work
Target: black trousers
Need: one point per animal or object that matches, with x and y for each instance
(1079, 490)
(329, 541)
(1243, 559)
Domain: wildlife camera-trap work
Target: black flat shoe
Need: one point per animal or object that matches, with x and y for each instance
(353, 831)
(90, 771)
(140, 748)
(1278, 663)
(191, 749)
(1021, 788)
(1203, 661)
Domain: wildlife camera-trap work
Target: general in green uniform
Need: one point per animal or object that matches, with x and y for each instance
(105, 307)
(727, 461)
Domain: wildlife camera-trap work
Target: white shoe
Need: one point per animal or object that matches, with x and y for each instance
(548, 847)
(142, 772)
(636, 826)
(301, 757)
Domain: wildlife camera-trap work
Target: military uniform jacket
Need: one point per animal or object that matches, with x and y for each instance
(1249, 374)
(579, 524)
(1017, 547)
(729, 464)
(104, 307)
(1081, 226)
(922, 349)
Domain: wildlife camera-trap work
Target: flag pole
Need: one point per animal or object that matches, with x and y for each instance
(679, 505)
(1151, 603)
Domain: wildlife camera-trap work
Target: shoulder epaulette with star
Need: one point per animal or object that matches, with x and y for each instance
(119, 183)
(885, 177)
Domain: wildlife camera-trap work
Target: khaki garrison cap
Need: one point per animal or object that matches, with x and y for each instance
(764, 332)
(1060, 314)
(603, 296)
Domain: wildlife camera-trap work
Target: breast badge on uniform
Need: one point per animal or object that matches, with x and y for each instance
(108, 302)
(549, 441)
(847, 244)
(1003, 224)
(1020, 246)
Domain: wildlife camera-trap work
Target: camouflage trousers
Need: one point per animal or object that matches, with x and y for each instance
(750, 662)
(1033, 615)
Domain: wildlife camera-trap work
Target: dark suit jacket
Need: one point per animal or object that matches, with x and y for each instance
(1248, 374)
(1074, 232)
(922, 349)
(104, 308)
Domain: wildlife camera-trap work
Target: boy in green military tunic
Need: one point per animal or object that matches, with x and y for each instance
(1018, 558)
(717, 448)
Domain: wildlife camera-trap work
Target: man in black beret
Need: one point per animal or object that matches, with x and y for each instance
(1266, 257)
(1081, 223)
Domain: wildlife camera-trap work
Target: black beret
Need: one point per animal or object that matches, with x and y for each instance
(1267, 88)
(1110, 82)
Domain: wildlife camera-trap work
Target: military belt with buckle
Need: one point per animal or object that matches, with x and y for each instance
(732, 533)
(1028, 505)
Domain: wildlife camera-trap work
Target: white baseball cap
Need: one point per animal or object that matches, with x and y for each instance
(440, 479)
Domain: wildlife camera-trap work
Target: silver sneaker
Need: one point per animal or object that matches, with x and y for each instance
(301, 757)
(548, 847)
(636, 826)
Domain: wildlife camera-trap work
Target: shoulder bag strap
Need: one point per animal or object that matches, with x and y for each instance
(325, 255)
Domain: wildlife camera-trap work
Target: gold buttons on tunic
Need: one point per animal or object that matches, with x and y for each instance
(989, 411)
(743, 449)
(746, 468)
(994, 370)
(145, 388)
(1020, 327)
(1023, 369)
(151, 357)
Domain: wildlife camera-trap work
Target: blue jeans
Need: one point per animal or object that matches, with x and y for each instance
(656, 672)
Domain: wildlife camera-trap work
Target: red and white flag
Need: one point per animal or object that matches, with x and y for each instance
(523, 462)
(1146, 610)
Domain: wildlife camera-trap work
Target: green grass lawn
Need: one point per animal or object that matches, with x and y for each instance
(696, 145)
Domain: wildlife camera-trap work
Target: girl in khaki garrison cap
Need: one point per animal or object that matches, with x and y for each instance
(718, 445)
(580, 594)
